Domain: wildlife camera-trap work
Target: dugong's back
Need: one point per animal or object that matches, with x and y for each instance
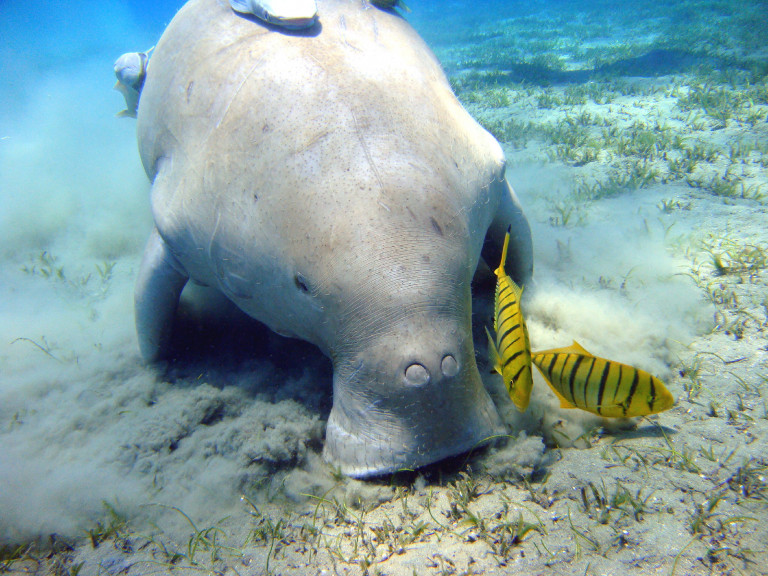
(360, 65)
(360, 88)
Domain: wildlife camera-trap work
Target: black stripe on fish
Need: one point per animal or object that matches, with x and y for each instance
(510, 345)
(504, 307)
(600, 386)
(632, 389)
(517, 375)
(558, 373)
(507, 331)
(617, 388)
(587, 383)
(513, 330)
(551, 364)
(504, 287)
(572, 377)
(588, 386)
(652, 397)
(514, 317)
(511, 358)
(504, 346)
(603, 378)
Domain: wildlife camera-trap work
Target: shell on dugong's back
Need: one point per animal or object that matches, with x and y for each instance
(330, 184)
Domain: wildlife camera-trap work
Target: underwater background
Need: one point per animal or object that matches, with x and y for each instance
(636, 137)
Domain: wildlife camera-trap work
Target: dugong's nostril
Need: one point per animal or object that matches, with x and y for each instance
(416, 375)
(449, 366)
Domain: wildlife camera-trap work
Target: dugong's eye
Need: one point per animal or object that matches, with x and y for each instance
(301, 283)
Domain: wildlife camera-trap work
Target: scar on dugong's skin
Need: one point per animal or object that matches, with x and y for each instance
(331, 185)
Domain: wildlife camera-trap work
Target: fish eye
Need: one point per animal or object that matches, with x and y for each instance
(301, 283)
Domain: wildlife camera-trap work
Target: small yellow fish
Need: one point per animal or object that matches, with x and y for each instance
(511, 352)
(603, 387)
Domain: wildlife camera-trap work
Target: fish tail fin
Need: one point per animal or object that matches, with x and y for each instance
(500, 270)
(493, 352)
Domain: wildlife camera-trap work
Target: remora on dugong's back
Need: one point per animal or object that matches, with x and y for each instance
(330, 184)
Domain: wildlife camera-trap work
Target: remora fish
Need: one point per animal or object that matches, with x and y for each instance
(289, 14)
(511, 352)
(390, 4)
(600, 386)
(131, 71)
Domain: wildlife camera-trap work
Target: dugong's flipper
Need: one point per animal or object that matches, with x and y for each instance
(158, 288)
(289, 14)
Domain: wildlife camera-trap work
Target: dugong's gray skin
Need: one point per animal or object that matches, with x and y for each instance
(332, 187)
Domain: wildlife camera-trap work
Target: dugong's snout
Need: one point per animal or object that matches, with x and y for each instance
(401, 406)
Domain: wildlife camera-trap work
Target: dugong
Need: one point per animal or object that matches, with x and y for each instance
(329, 183)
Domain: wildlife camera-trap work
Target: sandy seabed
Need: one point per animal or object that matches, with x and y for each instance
(646, 188)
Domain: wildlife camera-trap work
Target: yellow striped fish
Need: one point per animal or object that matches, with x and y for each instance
(601, 386)
(511, 352)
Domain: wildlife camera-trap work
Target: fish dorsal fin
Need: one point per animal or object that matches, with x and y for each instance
(574, 348)
(579, 349)
(518, 290)
(500, 270)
